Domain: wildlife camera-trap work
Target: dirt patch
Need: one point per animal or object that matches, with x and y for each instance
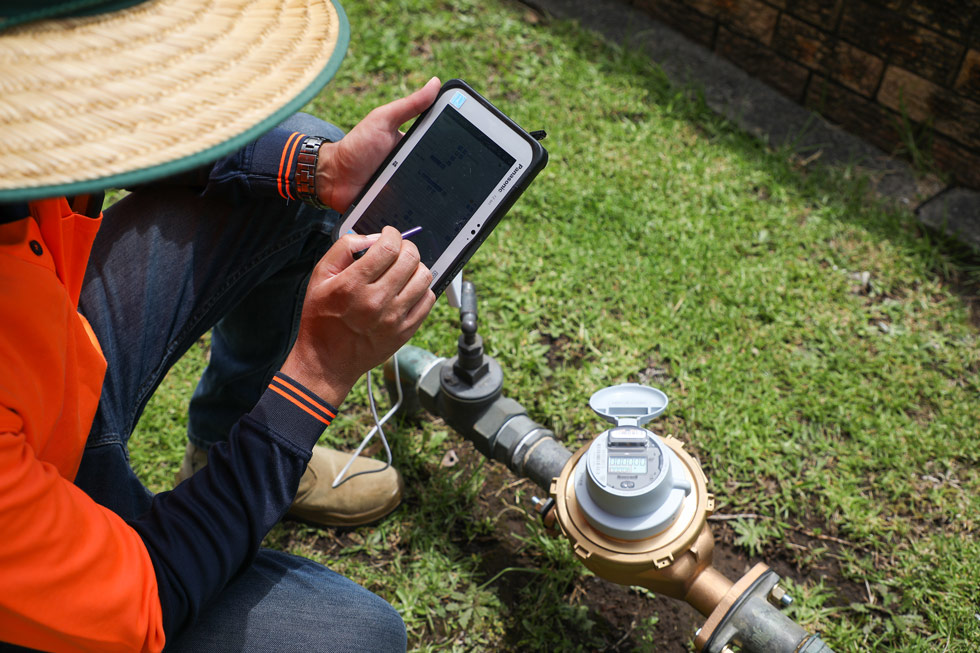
(563, 351)
(616, 611)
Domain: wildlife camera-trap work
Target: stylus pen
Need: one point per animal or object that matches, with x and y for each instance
(405, 234)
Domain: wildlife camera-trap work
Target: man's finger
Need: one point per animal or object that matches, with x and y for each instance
(340, 256)
(400, 111)
(415, 287)
(417, 314)
(401, 270)
(381, 255)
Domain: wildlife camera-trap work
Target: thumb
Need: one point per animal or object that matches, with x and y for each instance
(341, 255)
(400, 111)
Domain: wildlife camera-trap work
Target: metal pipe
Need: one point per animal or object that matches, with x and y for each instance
(497, 426)
(707, 590)
(747, 617)
(763, 628)
(413, 363)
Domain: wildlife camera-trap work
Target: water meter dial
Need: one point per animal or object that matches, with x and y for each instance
(624, 468)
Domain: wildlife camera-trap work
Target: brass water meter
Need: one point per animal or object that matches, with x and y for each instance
(635, 505)
(635, 508)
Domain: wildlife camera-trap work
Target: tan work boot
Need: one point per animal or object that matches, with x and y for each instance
(355, 502)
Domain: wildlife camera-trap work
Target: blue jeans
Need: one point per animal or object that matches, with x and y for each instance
(167, 266)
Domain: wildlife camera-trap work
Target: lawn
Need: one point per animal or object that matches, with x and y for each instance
(819, 349)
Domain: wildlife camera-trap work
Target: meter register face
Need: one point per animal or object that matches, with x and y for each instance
(633, 460)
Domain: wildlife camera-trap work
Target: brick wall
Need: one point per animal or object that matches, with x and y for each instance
(879, 68)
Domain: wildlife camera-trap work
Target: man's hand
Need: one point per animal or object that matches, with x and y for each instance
(344, 167)
(357, 314)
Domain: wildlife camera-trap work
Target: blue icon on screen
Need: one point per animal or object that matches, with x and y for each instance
(457, 100)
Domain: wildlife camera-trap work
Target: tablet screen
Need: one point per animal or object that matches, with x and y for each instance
(439, 185)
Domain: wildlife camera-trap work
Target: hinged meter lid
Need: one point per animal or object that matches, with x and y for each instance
(628, 404)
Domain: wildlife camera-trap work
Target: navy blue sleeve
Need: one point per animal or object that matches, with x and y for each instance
(265, 168)
(204, 531)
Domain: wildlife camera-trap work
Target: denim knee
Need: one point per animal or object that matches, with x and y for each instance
(365, 622)
(384, 629)
(284, 602)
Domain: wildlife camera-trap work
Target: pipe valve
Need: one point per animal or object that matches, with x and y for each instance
(470, 364)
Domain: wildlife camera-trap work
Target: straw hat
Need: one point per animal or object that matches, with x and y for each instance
(122, 97)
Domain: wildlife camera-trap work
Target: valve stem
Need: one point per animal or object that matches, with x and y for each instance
(470, 365)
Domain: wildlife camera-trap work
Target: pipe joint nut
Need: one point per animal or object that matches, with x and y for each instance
(511, 437)
(485, 430)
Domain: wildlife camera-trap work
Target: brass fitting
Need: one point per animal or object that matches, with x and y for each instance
(675, 562)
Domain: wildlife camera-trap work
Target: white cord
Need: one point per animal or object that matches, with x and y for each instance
(376, 429)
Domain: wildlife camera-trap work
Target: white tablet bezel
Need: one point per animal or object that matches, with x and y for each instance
(516, 145)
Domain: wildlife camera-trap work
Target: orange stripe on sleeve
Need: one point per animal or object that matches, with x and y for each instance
(313, 400)
(299, 405)
(282, 162)
(289, 165)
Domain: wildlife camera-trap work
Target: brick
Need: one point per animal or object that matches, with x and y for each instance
(871, 121)
(900, 41)
(820, 51)
(855, 68)
(751, 18)
(968, 80)
(949, 17)
(879, 126)
(712, 8)
(762, 63)
(822, 13)
(959, 161)
(950, 113)
(802, 42)
(956, 117)
(691, 23)
(906, 93)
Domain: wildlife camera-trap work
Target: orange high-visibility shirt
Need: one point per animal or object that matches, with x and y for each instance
(73, 575)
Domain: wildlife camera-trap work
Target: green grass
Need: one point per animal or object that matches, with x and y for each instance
(817, 355)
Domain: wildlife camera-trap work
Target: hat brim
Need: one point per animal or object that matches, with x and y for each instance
(118, 100)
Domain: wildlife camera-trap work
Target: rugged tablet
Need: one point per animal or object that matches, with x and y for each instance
(456, 172)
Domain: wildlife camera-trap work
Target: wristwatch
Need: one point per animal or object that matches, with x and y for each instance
(305, 176)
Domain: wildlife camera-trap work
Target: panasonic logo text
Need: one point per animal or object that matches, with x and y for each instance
(510, 177)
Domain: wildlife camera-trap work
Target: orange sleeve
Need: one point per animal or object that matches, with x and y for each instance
(73, 575)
